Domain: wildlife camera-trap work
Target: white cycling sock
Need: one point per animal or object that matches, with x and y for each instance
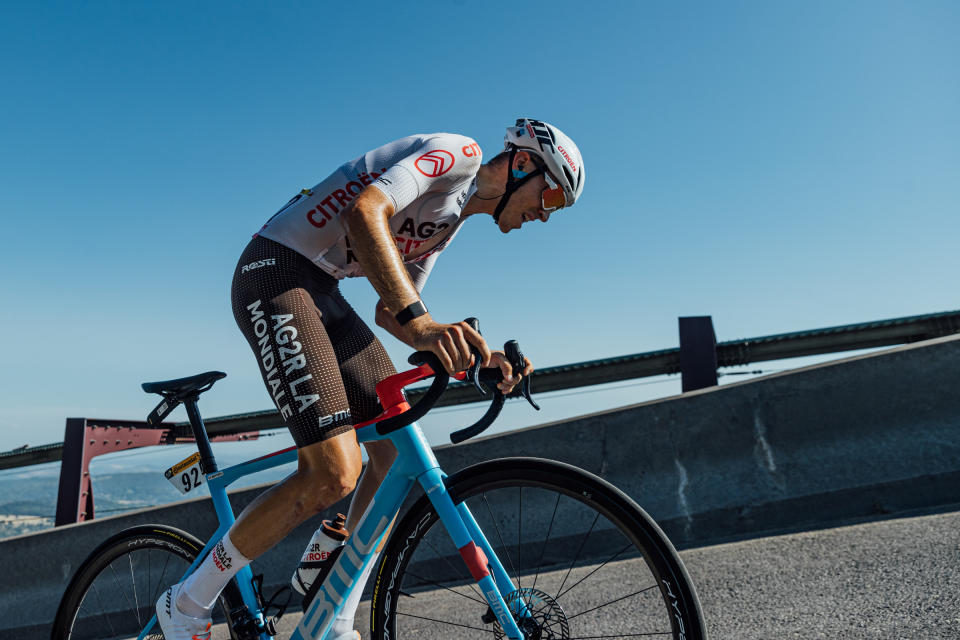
(344, 622)
(205, 584)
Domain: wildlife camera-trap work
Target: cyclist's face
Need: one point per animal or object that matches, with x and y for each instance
(526, 203)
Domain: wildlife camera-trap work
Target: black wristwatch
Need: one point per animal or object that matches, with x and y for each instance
(414, 310)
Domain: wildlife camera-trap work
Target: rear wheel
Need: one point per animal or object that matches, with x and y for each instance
(584, 558)
(113, 594)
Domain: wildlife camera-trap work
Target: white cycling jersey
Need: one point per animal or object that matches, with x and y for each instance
(428, 177)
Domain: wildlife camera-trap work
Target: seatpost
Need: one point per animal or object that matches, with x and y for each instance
(200, 434)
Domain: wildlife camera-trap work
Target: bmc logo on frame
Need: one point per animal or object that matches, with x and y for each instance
(434, 164)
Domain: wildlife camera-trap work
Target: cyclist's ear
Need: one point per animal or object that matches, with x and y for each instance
(523, 162)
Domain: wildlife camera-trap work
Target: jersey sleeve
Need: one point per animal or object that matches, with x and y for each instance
(441, 162)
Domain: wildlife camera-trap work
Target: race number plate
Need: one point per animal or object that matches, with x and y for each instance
(186, 475)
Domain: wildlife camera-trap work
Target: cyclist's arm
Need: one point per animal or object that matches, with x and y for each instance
(366, 221)
(419, 272)
(384, 319)
(371, 240)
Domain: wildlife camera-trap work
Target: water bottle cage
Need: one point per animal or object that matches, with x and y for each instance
(318, 581)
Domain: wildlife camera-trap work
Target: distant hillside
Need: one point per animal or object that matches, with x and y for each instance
(28, 500)
(30, 504)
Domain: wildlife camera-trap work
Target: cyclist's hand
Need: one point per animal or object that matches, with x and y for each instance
(450, 342)
(510, 378)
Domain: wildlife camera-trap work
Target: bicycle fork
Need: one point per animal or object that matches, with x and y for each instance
(479, 556)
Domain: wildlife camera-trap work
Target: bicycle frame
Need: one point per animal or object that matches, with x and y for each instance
(415, 462)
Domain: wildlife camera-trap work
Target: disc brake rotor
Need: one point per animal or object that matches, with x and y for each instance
(543, 618)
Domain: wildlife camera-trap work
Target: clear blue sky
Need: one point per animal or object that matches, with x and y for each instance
(777, 165)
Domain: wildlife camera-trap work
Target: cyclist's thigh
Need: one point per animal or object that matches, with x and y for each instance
(362, 359)
(276, 293)
(363, 363)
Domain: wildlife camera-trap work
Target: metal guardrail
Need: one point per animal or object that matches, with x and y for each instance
(732, 353)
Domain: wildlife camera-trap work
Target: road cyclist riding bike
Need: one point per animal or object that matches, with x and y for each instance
(385, 215)
(528, 549)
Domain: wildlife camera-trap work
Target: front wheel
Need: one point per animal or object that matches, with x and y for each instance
(114, 591)
(584, 558)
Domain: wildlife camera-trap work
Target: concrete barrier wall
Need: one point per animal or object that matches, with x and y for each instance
(853, 438)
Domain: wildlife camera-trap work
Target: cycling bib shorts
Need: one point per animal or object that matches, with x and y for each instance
(319, 360)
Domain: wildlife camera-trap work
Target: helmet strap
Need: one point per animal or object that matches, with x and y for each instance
(512, 184)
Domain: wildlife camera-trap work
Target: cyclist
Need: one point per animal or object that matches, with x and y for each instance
(385, 215)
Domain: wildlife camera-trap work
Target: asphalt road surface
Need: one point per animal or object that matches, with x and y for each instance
(896, 578)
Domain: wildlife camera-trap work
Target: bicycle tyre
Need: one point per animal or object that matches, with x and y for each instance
(676, 611)
(77, 618)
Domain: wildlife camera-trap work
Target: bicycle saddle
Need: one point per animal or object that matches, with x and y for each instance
(184, 386)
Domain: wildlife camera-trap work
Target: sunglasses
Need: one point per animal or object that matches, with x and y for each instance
(552, 197)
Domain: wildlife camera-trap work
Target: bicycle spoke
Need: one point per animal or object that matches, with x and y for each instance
(429, 581)
(136, 601)
(163, 574)
(455, 624)
(636, 593)
(503, 545)
(577, 556)
(452, 566)
(114, 571)
(102, 609)
(149, 581)
(545, 542)
(560, 595)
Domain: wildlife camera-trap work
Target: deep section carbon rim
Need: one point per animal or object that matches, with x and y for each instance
(585, 561)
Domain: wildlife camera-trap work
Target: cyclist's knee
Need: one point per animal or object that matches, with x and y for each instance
(318, 489)
(328, 472)
(327, 488)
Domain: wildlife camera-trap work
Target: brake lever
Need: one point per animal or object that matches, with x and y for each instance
(511, 349)
(473, 373)
(491, 377)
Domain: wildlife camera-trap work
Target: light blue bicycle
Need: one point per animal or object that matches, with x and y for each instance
(528, 548)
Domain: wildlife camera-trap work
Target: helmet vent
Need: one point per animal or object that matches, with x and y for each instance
(573, 183)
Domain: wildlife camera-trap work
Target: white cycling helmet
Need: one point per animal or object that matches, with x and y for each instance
(558, 151)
